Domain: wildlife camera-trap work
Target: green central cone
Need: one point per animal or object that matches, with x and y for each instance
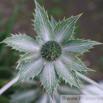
(51, 51)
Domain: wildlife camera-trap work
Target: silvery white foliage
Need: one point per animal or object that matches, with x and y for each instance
(73, 62)
(32, 69)
(78, 46)
(42, 24)
(24, 96)
(65, 73)
(64, 29)
(29, 56)
(28, 44)
(50, 82)
(65, 66)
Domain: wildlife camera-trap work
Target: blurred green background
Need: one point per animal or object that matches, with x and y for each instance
(16, 16)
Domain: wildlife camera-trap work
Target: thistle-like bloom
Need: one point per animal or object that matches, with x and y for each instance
(53, 54)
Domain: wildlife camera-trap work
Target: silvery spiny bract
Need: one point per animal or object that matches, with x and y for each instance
(53, 54)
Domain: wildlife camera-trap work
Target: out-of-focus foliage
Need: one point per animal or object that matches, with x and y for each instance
(7, 58)
(32, 92)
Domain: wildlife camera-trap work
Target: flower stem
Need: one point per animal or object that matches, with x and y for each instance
(89, 80)
(4, 88)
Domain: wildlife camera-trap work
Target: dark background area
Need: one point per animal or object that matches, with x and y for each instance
(89, 26)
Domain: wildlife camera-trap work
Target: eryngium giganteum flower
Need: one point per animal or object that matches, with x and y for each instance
(53, 54)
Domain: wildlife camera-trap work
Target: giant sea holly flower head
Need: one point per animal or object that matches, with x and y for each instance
(53, 54)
